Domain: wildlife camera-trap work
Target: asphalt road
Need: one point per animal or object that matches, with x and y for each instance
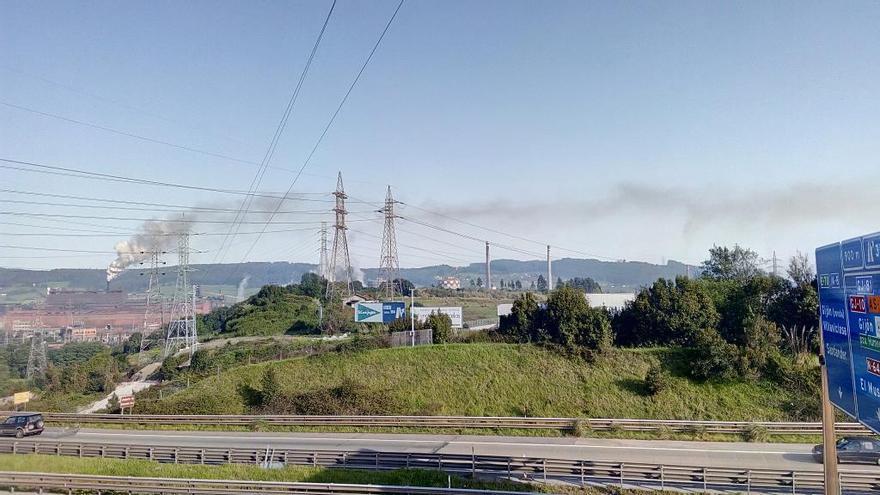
(708, 454)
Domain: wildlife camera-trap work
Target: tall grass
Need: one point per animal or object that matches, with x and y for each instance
(502, 380)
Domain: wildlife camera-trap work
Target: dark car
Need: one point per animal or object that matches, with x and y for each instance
(21, 425)
(853, 449)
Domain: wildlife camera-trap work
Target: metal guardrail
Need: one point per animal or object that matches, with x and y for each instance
(580, 472)
(460, 422)
(76, 482)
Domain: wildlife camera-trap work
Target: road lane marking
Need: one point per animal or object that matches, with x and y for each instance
(450, 442)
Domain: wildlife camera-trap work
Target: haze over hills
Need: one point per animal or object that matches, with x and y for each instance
(614, 276)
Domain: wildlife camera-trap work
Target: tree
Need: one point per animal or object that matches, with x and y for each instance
(441, 327)
(667, 313)
(800, 270)
(312, 285)
(559, 282)
(725, 263)
(403, 285)
(572, 323)
(501, 284)
(532, 285)
(542, 284)
(479, 282)
(133, 344)
(522, 323)
(587, 285)
(518, 285)
(473, 284)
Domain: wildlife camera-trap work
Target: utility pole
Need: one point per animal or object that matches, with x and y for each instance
(549, 270)
(389, 265)
(488, 269)
(829, 440)
(340, 257)
(412, 316)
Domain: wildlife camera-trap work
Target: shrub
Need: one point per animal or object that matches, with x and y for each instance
(348, 398)
(714, 358)
(656, 379)
(581, 428)
(441, 327)
(361, 343)
(756, 433)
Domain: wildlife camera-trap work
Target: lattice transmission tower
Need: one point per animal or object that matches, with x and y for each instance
(323, 260)
(389, 265)
(154, 307)
(340, 261)
(182, 327)
(37, 361)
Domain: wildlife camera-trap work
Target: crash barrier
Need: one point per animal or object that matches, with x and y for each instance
(583, 472)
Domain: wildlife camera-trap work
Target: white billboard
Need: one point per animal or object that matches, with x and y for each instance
(454, 313)
(368, 312)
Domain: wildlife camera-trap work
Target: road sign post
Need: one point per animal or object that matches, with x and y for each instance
(126, 401)
(829, 440)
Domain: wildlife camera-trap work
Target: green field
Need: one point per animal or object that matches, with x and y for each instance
(497, 380)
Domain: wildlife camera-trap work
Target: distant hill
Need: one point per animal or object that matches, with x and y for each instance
(612, 275)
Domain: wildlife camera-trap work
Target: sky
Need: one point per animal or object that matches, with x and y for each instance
(624, 130)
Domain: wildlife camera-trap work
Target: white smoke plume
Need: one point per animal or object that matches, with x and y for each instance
(155, 235)
(239, 296)
(161, 234)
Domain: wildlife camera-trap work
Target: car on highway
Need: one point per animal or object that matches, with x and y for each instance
(20, 425)
(853, 449)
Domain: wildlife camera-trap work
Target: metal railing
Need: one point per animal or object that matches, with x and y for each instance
(77, 482)
(582, 472)
(460, 422)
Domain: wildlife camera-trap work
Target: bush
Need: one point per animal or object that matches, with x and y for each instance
(756, 433)
(581, 428)
(361, 343)
(348, 398)
(714, 357)
(656, 379)
(441, 327)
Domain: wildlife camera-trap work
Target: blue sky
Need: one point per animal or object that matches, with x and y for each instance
(636, 130)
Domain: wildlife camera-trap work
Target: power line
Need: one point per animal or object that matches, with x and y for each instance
(513, 236)
(159, 209)
(279, 130)
(85, 174)
(127, 134)
(333, 117)
(166, 220)
(62, 250)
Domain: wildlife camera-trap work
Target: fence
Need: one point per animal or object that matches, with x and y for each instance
(580, 472)
(462, 422)
(408, 338)
(76, 482)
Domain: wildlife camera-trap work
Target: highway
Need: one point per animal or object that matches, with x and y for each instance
(708, 454)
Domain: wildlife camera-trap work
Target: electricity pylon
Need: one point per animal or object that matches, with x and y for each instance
(340, 259)
(389, 265)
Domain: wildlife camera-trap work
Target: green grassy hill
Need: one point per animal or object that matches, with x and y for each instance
(494, 379)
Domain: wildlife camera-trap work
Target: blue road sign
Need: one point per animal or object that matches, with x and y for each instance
(849, 310)
(393, 310)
